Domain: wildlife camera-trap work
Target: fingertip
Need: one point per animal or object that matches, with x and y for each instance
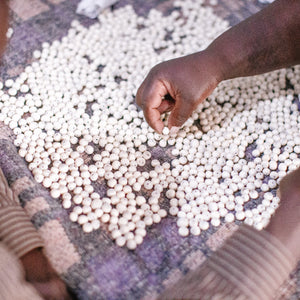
(152, 117)
(179, 115)
(156, 124)
(159, 126)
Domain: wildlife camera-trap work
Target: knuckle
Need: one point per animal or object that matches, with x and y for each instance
(139, 93)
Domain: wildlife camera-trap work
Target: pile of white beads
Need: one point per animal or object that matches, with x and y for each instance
(73, 113)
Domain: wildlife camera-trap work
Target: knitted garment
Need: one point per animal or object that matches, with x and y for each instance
(250, 265)
(16, 230)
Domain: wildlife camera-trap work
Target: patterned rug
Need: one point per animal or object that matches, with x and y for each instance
(91, 264)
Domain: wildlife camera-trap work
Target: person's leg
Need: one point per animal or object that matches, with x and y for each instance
(285, 224)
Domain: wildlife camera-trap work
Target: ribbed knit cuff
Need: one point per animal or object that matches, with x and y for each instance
(17, 231)
(253, 261)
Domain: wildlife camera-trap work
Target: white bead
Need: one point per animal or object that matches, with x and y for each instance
(156, 218)
(204, 225)
(240, 215)
(67, 203)
(229, 218)
(77, 210)
(131, 244)
(120, 241)
(183, 231)
(105, 218)
(165, 131)
(215, 222)
(87, 227)
(55, 193)
(173, 210)
(82, 219)
(73, 216)
(162, 213)
(9, 83)
(138, 239)
(95, 224)
(115, 234)
(195, 230)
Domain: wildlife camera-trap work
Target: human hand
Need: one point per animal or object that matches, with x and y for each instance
(179, 86)
(42, 276)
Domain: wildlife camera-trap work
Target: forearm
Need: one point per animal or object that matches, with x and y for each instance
(3, 24)
(266, 41)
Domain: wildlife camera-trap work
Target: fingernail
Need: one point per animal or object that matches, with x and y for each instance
(174, 130)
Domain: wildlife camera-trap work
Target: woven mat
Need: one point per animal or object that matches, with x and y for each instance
(91, 264)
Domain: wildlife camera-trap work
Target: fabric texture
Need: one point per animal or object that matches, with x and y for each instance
(16, 230)
(250, 265)
(92, 265)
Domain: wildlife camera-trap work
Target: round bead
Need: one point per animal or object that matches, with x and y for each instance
(131, 244)
(183, 231)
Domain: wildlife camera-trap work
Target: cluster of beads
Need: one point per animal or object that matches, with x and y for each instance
(73, 113)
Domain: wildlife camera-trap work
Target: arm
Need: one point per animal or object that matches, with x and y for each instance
(266, 41)
(3, 24)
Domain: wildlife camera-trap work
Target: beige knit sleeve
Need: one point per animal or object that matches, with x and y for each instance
(250, 265)
(13, 285)
(16, 230)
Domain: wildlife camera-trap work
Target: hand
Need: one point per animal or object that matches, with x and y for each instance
(257, 45)
(41, 275)
(179, 86)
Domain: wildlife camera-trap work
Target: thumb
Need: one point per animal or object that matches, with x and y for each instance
(180, 113)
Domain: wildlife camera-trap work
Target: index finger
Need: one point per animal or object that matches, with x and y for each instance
(149, 98)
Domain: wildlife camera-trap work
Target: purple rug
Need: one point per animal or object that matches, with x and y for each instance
(91, 264)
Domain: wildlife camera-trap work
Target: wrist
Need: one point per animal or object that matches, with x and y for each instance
(216, 64)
